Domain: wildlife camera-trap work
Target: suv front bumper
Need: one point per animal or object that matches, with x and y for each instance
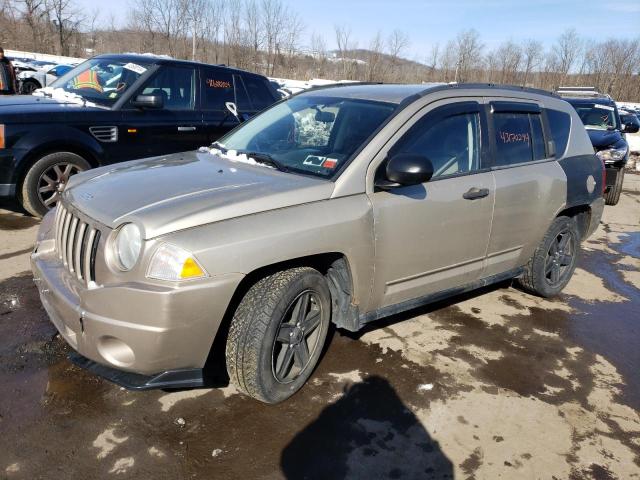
(133, 327)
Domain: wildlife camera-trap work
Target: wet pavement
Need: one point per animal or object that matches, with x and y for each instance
(493, 384)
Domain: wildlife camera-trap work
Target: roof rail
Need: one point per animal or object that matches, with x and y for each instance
(581, 92)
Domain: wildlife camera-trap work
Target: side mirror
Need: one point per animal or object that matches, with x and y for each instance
(405, 169)
(148, 101)
(630, 127)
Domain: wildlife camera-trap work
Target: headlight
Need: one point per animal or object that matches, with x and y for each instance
(127, 246)
(612, 154)
(174, 263)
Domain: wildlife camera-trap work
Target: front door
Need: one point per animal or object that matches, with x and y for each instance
(433, 237)
(176, 127)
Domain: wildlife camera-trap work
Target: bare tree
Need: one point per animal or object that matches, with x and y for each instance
(469, 54)
(565, 53)
(66, 18)
(397, 43)
(532, 54)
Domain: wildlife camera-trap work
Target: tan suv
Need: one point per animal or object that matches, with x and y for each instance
(339, 205)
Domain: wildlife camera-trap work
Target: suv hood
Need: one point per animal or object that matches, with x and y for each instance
(184, 190)
(21, 105)
(603, 138)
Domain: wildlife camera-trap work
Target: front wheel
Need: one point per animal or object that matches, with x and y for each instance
(612, 197)
(277, 334)
(47, 178)
(554, 261)
(29, 86)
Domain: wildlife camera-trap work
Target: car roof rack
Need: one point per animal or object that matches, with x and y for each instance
(581, 92)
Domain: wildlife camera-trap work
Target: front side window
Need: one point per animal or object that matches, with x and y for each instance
(310, 134)
(519, 138)
(176, 86)
(452, 144)
(101, 80)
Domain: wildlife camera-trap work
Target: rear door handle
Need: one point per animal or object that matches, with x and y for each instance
(186, 129)
(475, 192)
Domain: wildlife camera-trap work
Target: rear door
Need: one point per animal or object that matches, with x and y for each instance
(529, 182)
(177, 126)
(433, 237)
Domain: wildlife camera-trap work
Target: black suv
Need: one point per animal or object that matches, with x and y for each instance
(113, 108)
(600, 116)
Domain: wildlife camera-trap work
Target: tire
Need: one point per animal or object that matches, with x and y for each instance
(552, 264)
(46, 179)
(255, 350)
(612, 197)
(29, 86)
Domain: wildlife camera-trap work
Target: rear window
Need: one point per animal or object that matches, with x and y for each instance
(560, 126)
(518, 138)
(260, 95)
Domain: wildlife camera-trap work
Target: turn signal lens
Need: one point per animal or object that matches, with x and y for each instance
(1, 136)
(174, 264)
(190, 269)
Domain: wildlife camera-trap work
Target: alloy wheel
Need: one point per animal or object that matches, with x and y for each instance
(297, 338)
(53, 181)
(559, 257)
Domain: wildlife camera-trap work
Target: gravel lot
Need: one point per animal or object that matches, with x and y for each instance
(495, 384)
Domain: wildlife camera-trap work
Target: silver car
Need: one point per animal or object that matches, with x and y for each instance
(338, 205)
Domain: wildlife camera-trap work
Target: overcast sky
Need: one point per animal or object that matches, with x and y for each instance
(430, 21)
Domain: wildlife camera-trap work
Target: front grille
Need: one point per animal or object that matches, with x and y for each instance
(105, 134)
(76, 245)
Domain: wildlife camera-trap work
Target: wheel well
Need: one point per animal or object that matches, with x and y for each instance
(582, 214)
(35, 154)
(334, 266)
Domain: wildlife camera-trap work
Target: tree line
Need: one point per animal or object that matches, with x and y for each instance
(270, 37)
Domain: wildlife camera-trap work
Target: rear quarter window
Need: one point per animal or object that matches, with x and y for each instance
(560, 127)
(259, 94)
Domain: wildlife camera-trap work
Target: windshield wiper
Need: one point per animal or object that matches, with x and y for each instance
(266, 159)
(220, 147)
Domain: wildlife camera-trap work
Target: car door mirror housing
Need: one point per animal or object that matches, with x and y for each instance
(148, 101)
(404, 169)
(629, 127)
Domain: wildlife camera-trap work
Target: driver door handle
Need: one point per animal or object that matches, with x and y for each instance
(475, 192)
(186, 129)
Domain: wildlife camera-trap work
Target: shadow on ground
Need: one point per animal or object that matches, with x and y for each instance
(367, 433)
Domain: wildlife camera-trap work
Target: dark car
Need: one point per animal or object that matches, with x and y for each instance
(600, 116)
(629, 118)
(114, 108)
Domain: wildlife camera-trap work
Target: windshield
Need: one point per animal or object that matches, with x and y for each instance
(310, 134)
(596, 116)
(101, 80)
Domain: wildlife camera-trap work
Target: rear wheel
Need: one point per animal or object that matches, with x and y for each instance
(554, 261)
(613, 195)
(47, 178)
(277, 334)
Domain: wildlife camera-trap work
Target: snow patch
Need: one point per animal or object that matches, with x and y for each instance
(63, 96)
(107, 441)
(122, 465)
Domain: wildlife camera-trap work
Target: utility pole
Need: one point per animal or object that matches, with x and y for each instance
(193, 41)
